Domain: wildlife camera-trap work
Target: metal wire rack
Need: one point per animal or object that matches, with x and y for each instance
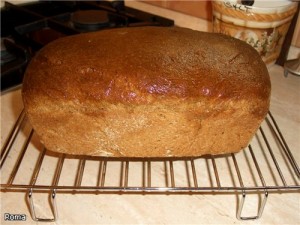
(266, 166)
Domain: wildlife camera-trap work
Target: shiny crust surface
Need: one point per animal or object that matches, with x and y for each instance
(146, 92)
(143, 65)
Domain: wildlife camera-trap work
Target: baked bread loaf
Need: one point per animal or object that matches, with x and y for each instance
(146, 92)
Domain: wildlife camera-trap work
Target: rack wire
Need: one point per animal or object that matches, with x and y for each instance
(267, 165)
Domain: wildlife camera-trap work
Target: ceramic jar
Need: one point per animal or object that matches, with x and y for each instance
(263, 25)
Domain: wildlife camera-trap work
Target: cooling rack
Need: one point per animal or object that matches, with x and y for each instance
(267, 165)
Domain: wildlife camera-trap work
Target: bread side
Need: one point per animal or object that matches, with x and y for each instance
(166, 92)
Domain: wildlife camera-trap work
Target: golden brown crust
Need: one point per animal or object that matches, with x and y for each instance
(135, 65)
(192, 83)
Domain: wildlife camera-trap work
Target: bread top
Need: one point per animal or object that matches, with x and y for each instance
(145, 64)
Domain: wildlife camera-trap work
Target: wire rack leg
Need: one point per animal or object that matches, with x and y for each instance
(260, 210)
(52, 205)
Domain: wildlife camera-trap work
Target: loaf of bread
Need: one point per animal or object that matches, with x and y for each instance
(146, 92)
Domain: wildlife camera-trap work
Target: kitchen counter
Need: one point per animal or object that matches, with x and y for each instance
(205, 208)
(174, 208)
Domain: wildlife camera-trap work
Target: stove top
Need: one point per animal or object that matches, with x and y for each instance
(28, 27)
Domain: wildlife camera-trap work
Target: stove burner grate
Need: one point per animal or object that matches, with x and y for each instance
(90, 20)
(29, 27)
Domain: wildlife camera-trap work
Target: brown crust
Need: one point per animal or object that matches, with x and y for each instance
(156, 63)
(146, 92)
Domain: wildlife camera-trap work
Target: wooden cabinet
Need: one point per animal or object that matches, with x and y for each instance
(201, 9)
